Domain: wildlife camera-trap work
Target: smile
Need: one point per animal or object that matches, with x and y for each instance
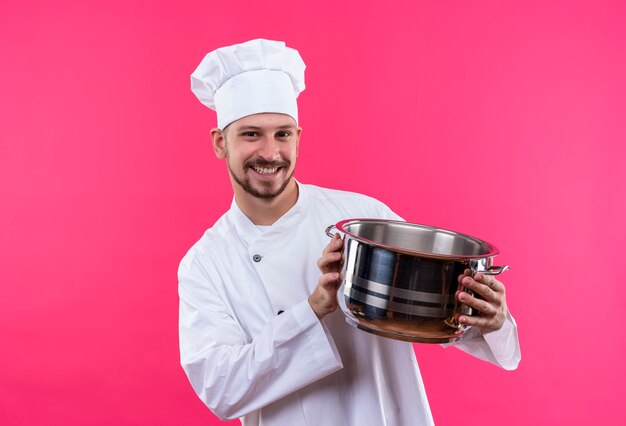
(265, 171)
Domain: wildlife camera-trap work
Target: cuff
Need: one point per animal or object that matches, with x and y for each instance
(320, 339)
(504, 344)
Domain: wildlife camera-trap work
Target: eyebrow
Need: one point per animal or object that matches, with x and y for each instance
(247, 128)
(239, 129)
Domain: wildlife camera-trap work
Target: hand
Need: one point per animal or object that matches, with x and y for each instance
(492, 307)
(323, 300)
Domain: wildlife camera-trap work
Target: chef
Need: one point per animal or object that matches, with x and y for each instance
(260, 336)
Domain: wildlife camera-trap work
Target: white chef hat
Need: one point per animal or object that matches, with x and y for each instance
(249, 78)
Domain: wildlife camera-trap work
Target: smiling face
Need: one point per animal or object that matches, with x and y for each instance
(260, 151)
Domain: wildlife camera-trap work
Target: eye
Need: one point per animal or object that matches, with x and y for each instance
(249, 134)
(283, 134)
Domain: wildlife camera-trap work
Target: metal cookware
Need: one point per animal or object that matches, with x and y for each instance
(399, 279)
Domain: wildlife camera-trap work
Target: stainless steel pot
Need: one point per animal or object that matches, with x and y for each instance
(399, 279)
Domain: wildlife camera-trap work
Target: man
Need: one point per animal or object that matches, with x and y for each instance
(260, 334)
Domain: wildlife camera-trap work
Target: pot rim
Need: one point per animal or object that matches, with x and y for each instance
(493, 251)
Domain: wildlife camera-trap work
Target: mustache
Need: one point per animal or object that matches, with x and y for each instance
(260, 162)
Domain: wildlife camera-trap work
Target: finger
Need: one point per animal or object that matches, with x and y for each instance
(478, 287)
(481, 305)
(335, 244)
(328, 260)
(490, 281)
(482, 322)
(466, 273)
(329, 281)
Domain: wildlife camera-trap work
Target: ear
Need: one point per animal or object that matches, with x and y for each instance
(298, 133)
(219, 143)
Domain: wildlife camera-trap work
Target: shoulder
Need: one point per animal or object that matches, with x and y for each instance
(338, 196)
(350, 203)
(213, 244)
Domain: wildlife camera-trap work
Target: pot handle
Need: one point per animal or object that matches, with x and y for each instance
(331, 234)
(490, 270)
(494, 270)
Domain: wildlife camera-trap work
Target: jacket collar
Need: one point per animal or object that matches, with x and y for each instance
(252, 235)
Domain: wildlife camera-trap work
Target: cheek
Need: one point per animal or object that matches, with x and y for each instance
(240, 156)
(289, 152)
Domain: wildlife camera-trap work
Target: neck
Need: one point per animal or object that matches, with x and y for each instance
(263, 211)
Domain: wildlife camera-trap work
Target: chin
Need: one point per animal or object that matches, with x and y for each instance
(268, 192)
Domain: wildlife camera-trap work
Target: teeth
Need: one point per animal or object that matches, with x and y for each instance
(265, 171)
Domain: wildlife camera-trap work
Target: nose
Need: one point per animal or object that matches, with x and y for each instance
(268, 149)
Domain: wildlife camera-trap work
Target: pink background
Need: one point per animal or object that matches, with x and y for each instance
(504, 120)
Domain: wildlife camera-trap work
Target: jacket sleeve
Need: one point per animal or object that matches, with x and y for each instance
(234, 374)
(499, 347)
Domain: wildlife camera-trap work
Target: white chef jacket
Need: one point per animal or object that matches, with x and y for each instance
(253, 348)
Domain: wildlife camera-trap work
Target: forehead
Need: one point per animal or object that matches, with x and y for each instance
(264, 121)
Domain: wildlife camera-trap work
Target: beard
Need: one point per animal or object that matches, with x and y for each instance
(266, 191)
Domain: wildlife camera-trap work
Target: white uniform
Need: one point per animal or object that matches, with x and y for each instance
(245, 360)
